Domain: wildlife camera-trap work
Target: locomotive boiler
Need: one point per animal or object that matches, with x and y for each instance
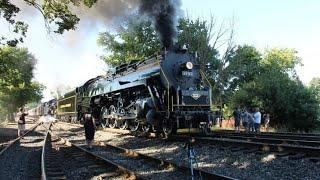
(163, 93)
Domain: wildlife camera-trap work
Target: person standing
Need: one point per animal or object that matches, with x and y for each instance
(219, 116)
(21, 121)
(250, 121)
(257, 120)
(266, 121)
(89, 129)
(245, 119)
(237, 119)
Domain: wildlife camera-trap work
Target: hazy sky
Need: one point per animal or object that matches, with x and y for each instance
(73, 58)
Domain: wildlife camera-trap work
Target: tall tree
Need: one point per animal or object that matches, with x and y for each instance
(277, 89)
(57, 15)
(315, 87)
(136, 40)
(16, 73)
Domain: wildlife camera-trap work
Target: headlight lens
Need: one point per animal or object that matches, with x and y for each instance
(189, 65)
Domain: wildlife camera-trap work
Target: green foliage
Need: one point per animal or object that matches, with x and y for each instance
(57, 14)
(283, 59)
(196, 33)
(16, 85)
(315, 87)
(244, 65)
(136, 40)
(275, 90)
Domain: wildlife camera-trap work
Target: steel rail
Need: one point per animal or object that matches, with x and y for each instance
(272, 140)
(271, 133)
(309, 151)
(263, 135)
(129, 174)
(18, 138)
(164, 163)
(43, 154)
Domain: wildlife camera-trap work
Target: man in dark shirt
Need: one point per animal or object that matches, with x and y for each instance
(22, 121)
(237, 118)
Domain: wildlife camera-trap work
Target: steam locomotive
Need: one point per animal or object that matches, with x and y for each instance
(163, 93)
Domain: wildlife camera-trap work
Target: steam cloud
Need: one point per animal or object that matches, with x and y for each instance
(163, 13)
(109, 11)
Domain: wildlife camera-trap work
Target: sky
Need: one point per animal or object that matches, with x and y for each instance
(73, 58)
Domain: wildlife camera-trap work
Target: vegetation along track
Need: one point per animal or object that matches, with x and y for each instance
(147, 167)
(21, 158)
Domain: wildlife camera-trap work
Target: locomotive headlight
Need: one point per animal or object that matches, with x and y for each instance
(189, 65)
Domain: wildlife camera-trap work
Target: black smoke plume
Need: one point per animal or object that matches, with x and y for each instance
(164, 15)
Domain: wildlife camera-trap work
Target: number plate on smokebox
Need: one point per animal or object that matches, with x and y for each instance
(187, 73)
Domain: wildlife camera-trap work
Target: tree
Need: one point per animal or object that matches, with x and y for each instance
(136, 40)
(16, 85)
(243, 64)
(315, 86)
(56, 13)
(278, 91)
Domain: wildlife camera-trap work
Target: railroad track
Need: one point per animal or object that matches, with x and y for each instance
(287, 136)
(64, 160)
(21, 158)
(270, 139)
(239, 145)
(11, 144)
(273, 133)
(148, 167)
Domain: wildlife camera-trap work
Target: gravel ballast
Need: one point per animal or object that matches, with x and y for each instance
(23, 159)
(216, 159)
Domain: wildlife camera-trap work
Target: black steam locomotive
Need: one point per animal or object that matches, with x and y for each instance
(163, 93)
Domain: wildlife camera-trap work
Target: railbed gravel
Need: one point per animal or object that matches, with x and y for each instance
(216, 159)
(23, 159)
(147, 170)
(79, 167)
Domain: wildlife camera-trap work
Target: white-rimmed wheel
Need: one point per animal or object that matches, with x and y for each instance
(104, 114)
(124, 125)
(134, 125)
(112, 121)
(167, 127)
(146, 127)
(207, 129)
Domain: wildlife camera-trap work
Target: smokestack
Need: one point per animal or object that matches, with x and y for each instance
(163, 13)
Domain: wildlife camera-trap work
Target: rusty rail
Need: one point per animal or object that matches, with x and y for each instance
(128, 173)
(270, 140)
(309, 151)
(18, 138)
(164, 163)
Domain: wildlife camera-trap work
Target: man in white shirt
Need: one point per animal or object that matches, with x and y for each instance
(257, 120)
